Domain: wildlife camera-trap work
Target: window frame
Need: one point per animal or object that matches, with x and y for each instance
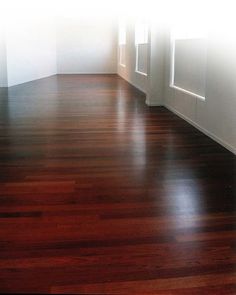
(137, 47)
(172, 68)
(122, 25)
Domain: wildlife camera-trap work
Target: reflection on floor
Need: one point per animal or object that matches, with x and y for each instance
(103, 194)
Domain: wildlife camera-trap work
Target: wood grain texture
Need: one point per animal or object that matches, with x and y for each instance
(101, 194)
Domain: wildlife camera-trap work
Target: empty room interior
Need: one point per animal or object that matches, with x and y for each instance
(117, 147)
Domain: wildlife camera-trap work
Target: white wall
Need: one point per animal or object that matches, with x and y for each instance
(37, 47)
(86, 46)
(30, 49)
(128, 72)
(155, 81)
(216, 116)
(3, 60)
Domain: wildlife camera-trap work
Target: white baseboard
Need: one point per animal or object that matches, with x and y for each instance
(31, 80)
(86, 73)
(208, 133)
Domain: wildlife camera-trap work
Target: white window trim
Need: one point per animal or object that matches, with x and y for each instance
(122, 42)
(120, 63)
(136, 60)
(172, 74)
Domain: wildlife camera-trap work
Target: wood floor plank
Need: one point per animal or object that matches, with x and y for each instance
(101, 194)
(182, 285)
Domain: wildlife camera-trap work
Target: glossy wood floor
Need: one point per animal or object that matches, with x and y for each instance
(100, 194)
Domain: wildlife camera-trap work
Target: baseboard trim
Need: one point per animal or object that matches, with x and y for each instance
(55, 74)
(33, 80)
(86, 73)
(203, 130)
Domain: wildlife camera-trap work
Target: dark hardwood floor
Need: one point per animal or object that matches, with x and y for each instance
(101, 194)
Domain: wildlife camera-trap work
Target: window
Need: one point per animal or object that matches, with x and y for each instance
(141, 43)
(188, 61)
(122, 43)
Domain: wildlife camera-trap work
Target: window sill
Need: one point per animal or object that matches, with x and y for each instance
(141, 73)
(188, 92)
